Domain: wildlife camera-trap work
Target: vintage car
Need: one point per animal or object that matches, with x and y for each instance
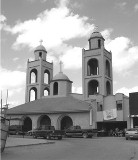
(131, 133)
(48, 132)
(76, 131)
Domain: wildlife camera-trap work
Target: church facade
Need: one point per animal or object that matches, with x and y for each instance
(49, 100)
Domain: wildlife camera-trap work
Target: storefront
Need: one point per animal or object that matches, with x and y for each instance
(133, 107)
(111, 125)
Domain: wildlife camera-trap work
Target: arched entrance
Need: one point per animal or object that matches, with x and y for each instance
(66, 122)
(44, 121)
(27, 124)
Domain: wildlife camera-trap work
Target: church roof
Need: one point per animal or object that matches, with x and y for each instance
(40, 48)
(60, 76)
(51, 105)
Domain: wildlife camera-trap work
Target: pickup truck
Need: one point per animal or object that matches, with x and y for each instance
(76, 131)
(16, 130)
(47, 132)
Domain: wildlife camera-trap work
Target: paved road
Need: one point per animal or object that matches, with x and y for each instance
(106, 148)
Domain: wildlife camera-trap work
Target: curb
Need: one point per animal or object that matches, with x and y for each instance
(29, 144)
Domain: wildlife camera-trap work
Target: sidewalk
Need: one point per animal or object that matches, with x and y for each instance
(15, 142)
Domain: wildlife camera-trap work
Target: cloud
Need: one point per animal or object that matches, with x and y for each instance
(136, 7)
(59, 25)
(106, 33)
(121, 5)
(15, 59)
(76, 89)
(14, 82)
(126, 91)
(2, 21)
(55, 27)
(11, 79)
(32, 1)
(72, 58)
(124, 53)
(13, 91)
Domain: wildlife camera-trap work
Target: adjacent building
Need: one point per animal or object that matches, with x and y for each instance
(133, 103)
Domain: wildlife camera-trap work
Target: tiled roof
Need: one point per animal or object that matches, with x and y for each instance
(51, 105)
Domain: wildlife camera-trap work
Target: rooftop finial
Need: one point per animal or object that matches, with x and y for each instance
(41, 41)
(96, 28)
(60, 63)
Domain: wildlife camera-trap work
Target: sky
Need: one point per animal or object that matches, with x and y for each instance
(65, 27)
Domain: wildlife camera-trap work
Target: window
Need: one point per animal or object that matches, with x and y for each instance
(55, 88)
(108, 88)
(93, 87)
(33, 76)
(108, 68)
(99, 43)
(46, 77)
(99, 107)
(46, 92)
(119, 106)
(40, 54)
(92, 67)
(33, 94)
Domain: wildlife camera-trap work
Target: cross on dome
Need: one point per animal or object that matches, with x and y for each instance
(41, 41)
(96, 29)
(60, 64)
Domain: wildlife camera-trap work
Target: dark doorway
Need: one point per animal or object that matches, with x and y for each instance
(111, 125)
(66, 122)
(45, 120)
(27, 125)
(135, 122)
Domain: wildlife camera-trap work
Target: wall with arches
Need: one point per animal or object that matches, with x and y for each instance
(81, 119)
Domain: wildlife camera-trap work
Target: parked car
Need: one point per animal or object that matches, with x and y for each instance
(48, 132)
(76, 131)
(30, 133)
(131, 133)
(16, 130)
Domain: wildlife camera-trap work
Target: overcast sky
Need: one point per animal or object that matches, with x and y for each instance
(65, 26)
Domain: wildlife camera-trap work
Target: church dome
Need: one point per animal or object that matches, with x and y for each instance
(61, 76)
(96, 34)
(40, 48)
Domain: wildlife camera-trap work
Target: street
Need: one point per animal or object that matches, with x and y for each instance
(98, 148)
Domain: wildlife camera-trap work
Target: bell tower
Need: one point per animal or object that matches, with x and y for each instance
(96, 68)
(38, 76)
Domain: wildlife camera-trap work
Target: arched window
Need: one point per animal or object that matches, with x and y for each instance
(33, 76)
(55, 88)
(92, 67)
(108, 68)
(46, 92)
(46, 77)
(108, 88)
(33, 94)
(99, 43)
(93, 87)
(40, 55)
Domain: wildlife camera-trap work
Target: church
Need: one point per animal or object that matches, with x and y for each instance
(49, 99)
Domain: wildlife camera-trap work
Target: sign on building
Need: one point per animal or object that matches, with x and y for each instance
(110, 114)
